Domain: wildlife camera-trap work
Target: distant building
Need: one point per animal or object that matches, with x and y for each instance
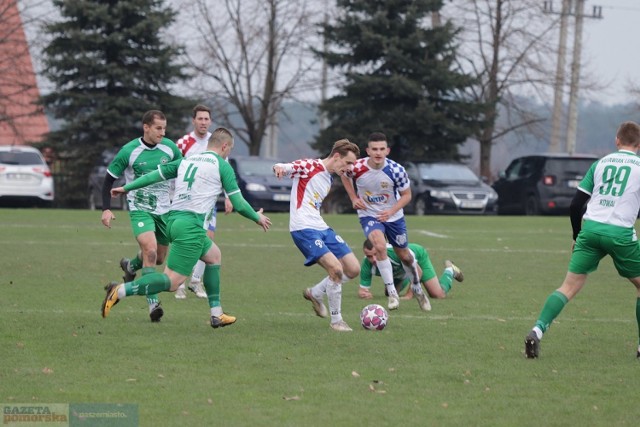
(21, 120)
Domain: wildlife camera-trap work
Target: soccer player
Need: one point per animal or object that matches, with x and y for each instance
(611, 192)
(383, 189)
(195, 142)
(316, 240)
(146, 206)
(437, 288)
(199, 180)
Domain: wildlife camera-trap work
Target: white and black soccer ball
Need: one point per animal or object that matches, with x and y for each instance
(374, 317)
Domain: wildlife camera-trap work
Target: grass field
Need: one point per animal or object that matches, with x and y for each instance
(461, 364)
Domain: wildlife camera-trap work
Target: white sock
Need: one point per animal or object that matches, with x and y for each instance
(320, 289)
(538, 332)
(198, 271)
(412, 271)
(334, 295)
(216, 311)
(386, 272)
(181, 286)
(121, 292)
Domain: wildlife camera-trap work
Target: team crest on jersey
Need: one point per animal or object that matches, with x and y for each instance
(384, 185)
(401, 239)
(164, 160)
(316, 201)
(319, 243)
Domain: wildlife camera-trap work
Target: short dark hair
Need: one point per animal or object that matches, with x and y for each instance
(200, 107)
(149, 117)
(377, 136)
(367, 245)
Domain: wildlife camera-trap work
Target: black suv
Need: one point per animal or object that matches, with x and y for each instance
(541, 183)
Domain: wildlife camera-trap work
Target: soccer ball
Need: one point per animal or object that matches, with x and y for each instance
(374, 317)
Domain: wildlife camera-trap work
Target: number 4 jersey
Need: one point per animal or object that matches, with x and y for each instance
(136, 159)
(613, 183)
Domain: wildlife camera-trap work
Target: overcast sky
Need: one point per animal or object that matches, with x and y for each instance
(611, 47)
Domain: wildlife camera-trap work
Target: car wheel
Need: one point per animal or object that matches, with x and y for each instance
(532, 207)
(420, 207)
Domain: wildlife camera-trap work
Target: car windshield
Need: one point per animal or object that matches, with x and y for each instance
(20, 158)
(255, 167)
(446, 172)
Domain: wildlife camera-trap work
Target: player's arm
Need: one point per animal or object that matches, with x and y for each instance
(163, 173)
(230, 185)
(347, 182)
(115, 169)
(576, 211)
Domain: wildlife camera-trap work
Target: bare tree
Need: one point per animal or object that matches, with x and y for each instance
(250, 56)
(21, 120)
(511, 46)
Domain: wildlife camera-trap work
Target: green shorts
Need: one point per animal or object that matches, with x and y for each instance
(423, 260)
(189, 242)
(141, 222)
(590, 248)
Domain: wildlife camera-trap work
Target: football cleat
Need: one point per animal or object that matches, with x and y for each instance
(532, 346)
(423, 300)
(393, 302)
(156, 312)
(181, 293)
(111, 298)
(341, 326)
(222, 321)
(457, 273)
(318, 306)
(196, 288)
(128, 275)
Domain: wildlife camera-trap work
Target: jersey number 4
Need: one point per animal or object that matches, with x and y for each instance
(190, 175)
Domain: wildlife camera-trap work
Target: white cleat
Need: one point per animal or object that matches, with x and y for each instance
(181, 293)
(423, 301)
(196, 288)
(394, 302)
(341, 326)
(318, 306)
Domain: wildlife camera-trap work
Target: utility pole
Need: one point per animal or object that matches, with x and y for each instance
(558, 87)
(575, 74)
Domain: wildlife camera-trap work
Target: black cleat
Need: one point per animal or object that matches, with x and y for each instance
(124, 265)
(532, 346)
(156, 313)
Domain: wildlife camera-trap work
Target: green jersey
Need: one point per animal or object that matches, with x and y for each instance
(134, 160)
(367, 271)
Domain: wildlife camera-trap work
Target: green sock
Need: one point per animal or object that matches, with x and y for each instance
(153, 298)
(638, 318)
(446, 281)
(551, 309)
(211, 281)
(136, 263)
(148, 284)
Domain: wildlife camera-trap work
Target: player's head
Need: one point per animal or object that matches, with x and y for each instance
(377, 148)
(343, 155)
(629, 134)
(154, 125)
(221, 141)
(201, 119)
(369, 251)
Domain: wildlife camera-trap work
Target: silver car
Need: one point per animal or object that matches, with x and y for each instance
(25, 177)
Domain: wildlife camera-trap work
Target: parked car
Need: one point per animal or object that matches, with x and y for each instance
(96, 179)
(25, 177)
(448, 188)
(541, 183)
(259, 185)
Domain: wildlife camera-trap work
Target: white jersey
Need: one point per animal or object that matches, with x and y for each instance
(379, 188)
(311, 184)
(199, 180)
(613, 183)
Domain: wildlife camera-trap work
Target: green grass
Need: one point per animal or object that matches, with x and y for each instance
(462, 364)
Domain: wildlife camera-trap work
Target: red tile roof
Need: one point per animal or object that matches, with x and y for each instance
(21, 121)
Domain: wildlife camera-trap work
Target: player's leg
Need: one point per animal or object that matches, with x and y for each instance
(348, 268)
(197, 276)
(410, 266)
(305, 240)
(375, 232)
(211, 277)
